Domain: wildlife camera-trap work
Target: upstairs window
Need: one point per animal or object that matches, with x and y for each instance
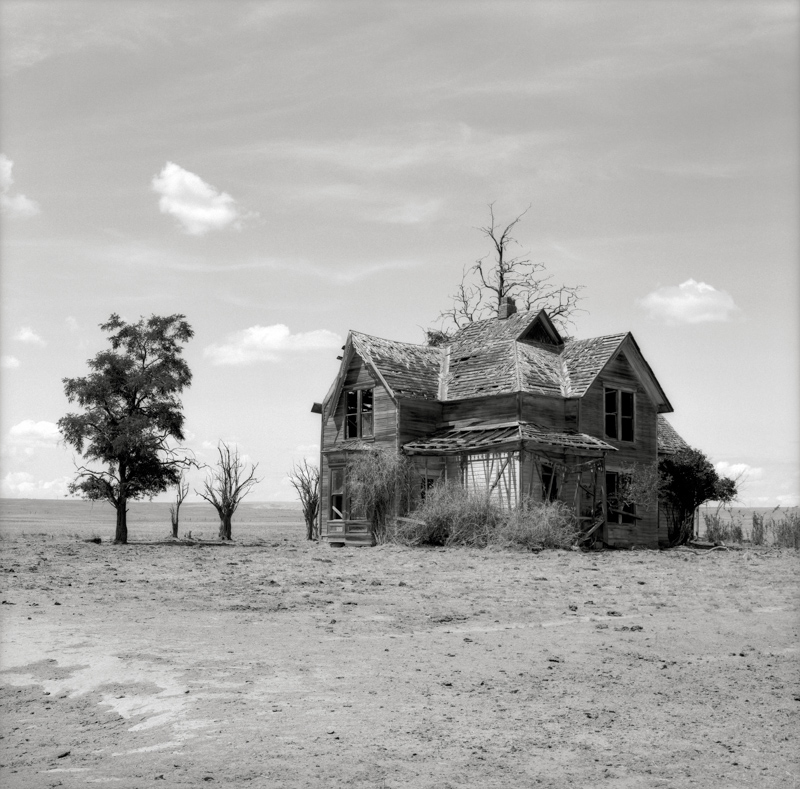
(358, 413)
(619, 414)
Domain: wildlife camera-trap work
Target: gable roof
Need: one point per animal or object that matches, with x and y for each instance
(521, 353)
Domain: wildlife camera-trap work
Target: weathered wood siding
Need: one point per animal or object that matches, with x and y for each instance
(417, 418)
(501, 408)
(643, 449)
(384, 427)
(551, 412)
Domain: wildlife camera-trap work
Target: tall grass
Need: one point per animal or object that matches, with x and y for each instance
(779, 529)
(718, 529)
(758, 531)
(786, 532)
(452, 515)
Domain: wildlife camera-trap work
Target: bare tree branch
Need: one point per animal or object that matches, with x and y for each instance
(492, 278)
(305, 480)
(226, 485)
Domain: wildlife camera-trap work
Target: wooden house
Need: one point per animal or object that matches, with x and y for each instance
(508, 407)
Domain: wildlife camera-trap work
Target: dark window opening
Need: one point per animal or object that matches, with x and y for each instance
(618, 510)
(619, 414)
(549, 483)
(426, 484)
(358, 413)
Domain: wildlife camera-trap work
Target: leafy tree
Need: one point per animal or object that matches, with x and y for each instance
(686, 480)
(305, 480)
(226, 486)
(502, 274)
(131, 415)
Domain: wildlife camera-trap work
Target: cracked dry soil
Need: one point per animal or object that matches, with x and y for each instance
(291, 664)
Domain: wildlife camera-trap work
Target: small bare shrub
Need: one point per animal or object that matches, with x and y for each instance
(540, 524)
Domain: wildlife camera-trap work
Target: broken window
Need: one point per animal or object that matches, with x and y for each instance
(619, 414)
(618, 510)
(336, 510)
(358, 413)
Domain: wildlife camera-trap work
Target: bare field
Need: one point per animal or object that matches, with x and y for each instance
(288, 664)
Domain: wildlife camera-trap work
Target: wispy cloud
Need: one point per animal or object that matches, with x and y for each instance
(16, 206)
(197, 206)
(28, 335)
(268, 344)
(9, 362)
(689, 302)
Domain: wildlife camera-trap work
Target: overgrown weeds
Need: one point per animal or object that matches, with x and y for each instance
(540, 524)
(781, 529)
(451, 515)
(786, 532)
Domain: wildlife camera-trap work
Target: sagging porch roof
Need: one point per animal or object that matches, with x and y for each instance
(480, 438)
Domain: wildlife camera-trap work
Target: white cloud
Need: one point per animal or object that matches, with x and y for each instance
(198, 206)
(740, 471)
(268, 343)
(42, 432)
(17, 206)
(28, 335)
(9, 362)
(22, 485)
(72, 323)
(689, 302)
(28, 436)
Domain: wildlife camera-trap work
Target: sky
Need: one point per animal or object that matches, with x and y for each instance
(281, 173)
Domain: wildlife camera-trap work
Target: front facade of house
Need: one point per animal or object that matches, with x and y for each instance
(509, 408)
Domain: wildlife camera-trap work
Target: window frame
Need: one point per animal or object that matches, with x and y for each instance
(625, 514)
(624, 418)
(343, 495)
(358, 415)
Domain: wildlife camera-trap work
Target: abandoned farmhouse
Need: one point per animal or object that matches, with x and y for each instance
(508, 407)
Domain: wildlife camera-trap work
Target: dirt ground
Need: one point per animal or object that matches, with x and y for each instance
(291, 664)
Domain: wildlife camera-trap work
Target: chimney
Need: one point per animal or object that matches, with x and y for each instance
(507, 308)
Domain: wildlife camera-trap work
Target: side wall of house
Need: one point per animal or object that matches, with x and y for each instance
(643, 449)
(489, 410)
(384, 421)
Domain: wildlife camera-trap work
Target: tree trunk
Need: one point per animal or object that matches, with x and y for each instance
(225, 519)
(174, 518)
(121, 535)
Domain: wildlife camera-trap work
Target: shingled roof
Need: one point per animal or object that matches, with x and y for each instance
(499, 356)
(669, 442)
(408, 370)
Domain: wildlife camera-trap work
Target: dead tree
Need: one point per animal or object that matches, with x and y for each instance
(226, 485)
(501, 274)
(181, 491)
(305, 479)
